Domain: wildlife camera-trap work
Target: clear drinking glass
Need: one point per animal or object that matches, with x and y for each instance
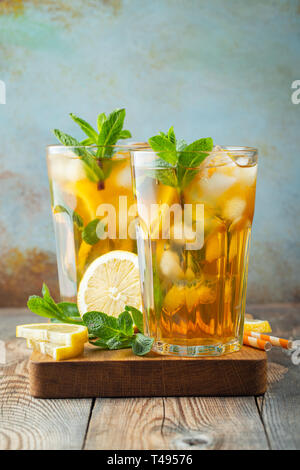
(91, 216)
(193, 235)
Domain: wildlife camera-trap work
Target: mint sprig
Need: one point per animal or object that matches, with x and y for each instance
(182, 159)
(105, 331)
(109, 131)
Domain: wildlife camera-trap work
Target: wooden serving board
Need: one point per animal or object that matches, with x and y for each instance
(121, 374)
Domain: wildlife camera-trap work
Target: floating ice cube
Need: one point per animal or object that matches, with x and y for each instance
(217, 184)
(124, 177)
(170, 265)
(64, 167)
(234, 208)
(246, 175)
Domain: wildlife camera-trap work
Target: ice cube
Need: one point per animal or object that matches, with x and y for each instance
(246, 175)
(217, 184)
(170, 265)
(124, 177)
(234, 208)
(64, 167)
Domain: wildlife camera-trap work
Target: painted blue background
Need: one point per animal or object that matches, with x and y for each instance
(220, 68)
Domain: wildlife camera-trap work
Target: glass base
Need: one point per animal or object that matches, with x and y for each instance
(196, 351)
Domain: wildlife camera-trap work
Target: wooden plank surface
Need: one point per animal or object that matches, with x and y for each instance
(280, 406)
(176, 423)
(151, 423)
(25, 422)
(122, 374)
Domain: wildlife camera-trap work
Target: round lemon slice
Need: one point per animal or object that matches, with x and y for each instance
(110, 283)
(58, 333)
(260, 326)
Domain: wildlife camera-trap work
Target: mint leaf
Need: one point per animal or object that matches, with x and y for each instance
(110, 131)
(38, 306)
(125, 323)
(185, 158)
(125, 134)
(171, 135)
(195, 153)
(69, 309)
(137, 316)
(98, 342)
(100, 120)
(101, 325)
(164, 148)
(141, 344)
(119, 342)
(86, 127)
(46, 307)
(76, 218)
(93, 232)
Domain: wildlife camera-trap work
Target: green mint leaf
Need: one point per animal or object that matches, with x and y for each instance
(110, 131)
(100, 120)
(137, 316)
(164, 148)
(69, 309)
(87, 142)
(40, 307)
(76, 218)
(167, 177)
(98, 342)
(141, 344)
(119, 342)
(93, 232)
(195, 153)
(125, 323)
(58, 209)
(171, 135)
(101, 325)
(86, 127)
(181, 144)
(125, 134)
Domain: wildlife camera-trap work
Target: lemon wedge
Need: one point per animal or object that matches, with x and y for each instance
(56, 351)
(260, 326)
(110, 282)
(60, 334)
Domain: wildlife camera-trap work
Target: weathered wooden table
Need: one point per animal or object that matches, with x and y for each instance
(271, 421)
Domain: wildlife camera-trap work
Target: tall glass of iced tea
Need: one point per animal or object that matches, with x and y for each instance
(193, 248)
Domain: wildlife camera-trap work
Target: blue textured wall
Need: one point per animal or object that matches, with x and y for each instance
(220, 68)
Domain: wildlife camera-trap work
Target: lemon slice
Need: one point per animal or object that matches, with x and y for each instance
(261, 326)
(56, 351)
(61, 334)
(110, 282)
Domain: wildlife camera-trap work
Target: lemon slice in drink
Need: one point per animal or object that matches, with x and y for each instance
(56, 351)
(110, 283)
(61, 334)
(260, 326)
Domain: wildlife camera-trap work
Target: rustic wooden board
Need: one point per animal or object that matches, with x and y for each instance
(121, 374)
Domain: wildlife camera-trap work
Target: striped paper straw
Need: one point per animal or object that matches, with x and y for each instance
(283, 343)
(257, 343)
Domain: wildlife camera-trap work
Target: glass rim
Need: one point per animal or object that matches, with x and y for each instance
(232, 148)
(135, 145)
(241, 152)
